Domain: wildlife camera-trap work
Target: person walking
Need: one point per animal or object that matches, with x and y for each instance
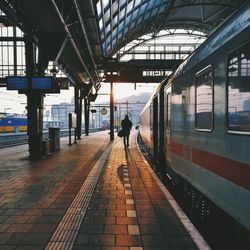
(126, 127)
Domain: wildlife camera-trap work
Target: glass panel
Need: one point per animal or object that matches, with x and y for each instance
(137, 2)
(122, 13)
(126, 30)
(107, 29)
(204, 99)
(147, 16)
(107, 16)
(130, 7)
(122, 2)
(108, 39)
(102, 36)
(127, 20)
(113, 42)
(101, 24)
(139, 20)
(114, 32)
(143, 8)
(135, 14)
(132, 25)
(114, 21)
(239, 90)
(105, 3)
(163, 7)
(120, 27)
(99, 8)
(154, 12)
(150, 4)
(119, 36)
(114, 7)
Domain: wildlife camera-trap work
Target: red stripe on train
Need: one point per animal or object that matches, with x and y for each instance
(234, 171)
(176, 148)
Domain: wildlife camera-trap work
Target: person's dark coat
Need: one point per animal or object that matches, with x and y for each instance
(126, 126)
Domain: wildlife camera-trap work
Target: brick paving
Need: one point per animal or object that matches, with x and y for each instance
(127, 211)
(35, 196)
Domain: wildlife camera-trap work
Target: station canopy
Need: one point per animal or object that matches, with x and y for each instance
(86, 38)
(121, 21)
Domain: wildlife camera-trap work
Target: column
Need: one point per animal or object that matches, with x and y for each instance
(111, 112)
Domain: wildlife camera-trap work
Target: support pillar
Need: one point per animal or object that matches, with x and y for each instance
(34, 103)
(111, 112)
(86, 115)
(78, 111)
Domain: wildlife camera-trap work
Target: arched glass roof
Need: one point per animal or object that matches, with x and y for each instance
(118, 18)
(121, 21)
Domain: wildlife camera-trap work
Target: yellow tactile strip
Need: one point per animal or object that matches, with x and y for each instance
(66, 232)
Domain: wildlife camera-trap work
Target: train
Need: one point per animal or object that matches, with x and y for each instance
(196, 125)
(12, 123)
(16, 123)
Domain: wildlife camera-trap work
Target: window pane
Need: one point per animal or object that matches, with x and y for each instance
(122, 13)
(204, 99)
(239, 90)
(105, 3)
(99, 8)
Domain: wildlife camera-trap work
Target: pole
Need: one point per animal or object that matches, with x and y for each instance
(70, 125)
(34, 102)
(78, 111)
(99, 116)
(119, 115)
(111, 112)
(86, 115)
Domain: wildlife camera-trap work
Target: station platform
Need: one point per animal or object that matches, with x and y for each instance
(91, 195)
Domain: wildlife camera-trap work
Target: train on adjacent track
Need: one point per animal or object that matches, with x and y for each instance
(197, 123)
(16, 123)
(13, 123)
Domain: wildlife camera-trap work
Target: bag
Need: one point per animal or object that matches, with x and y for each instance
(120, 133)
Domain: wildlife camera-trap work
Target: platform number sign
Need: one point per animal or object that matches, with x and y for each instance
(104, 111)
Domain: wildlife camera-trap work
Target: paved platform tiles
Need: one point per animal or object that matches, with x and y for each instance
(35, 196)
(126, 210)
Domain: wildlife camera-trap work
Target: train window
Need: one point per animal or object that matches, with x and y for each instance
(204, 99)
(238, 101)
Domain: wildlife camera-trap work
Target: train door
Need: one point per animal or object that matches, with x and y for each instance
(167, 121)
(155, 128)
(161, 130)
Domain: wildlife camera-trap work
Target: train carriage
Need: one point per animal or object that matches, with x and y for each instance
(12, 123)
(199, 120)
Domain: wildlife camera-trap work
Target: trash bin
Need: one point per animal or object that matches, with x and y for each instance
(54, 136)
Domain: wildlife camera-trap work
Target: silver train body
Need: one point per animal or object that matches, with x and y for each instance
(197, 123)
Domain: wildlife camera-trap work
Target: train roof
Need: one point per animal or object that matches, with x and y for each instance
(12, 115)
(230, 28)
(157, 90)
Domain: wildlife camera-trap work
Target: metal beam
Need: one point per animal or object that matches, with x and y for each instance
(143, 41)
(86, 39)
(164, 16)
(142, 65)
(11, 39)
(69, 35)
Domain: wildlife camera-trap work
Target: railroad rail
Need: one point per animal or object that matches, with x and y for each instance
(24, 139)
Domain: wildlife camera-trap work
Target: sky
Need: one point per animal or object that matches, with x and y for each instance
(12, 102)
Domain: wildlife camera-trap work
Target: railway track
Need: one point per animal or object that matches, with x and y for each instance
(18, 142)
(13, 143)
